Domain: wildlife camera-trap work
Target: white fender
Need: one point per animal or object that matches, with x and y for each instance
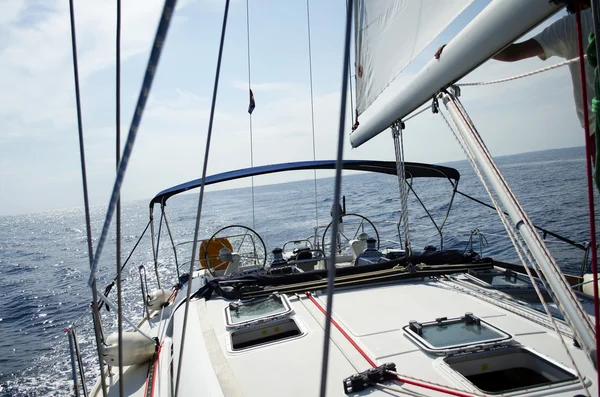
(157, 298)
(588, 287)
(136, 349)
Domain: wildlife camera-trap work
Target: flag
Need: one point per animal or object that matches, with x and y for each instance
(252, 104)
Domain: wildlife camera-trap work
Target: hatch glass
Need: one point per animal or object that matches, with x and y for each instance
(243, 313)
(493, 278)
(448, 334)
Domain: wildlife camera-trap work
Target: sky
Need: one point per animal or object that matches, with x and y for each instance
(39, 148)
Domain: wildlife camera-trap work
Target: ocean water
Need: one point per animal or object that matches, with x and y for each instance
(44, 264)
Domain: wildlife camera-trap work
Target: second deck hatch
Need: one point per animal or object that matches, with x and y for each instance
(449, 334)
(509, 369)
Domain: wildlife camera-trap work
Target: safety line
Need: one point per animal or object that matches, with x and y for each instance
(118, 211)
(88, 227)
(522, 75)
(590, 185)
(159, 41)
(336, 199)
(250, 115)
(201, 194)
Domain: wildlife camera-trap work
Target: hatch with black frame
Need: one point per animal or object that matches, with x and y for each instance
(261, 321)
(238, 314)
(444, 334)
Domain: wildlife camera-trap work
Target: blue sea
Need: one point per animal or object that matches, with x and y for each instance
(44, 264)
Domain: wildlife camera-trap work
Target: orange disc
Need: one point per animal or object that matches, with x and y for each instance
(210, 251)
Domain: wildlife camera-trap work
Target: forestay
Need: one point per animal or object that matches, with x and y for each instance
(390, 34)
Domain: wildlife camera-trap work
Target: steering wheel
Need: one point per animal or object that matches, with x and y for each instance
(216, 253)
(350, 233)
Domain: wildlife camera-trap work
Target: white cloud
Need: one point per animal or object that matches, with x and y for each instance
(38, 135)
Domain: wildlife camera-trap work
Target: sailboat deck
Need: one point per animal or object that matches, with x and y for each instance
(373, 317)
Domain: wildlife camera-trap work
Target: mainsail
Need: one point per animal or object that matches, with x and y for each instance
(499, 24)
(389, 34)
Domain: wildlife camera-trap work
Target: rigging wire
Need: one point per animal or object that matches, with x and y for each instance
(312, 111)
(522, 75)
(336, 199)
(521, 250)
(171, 238)
(88, 227)
(412, 116)
(590, 183)
(108, 288)
(118, 214)
(159, 40)
(397, 128)
(525, 218)
(249, 109)
(201, 195)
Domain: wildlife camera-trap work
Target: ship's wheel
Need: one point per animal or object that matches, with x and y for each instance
(235, 245)
(353, 226)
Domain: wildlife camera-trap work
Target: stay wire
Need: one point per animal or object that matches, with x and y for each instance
(201, 195)
(250, 115)
(590, 182)
(118, 221)
(114, 281)
(159, 40)
(312, 110)
(88, 227)
(521, 250)
(336, 199)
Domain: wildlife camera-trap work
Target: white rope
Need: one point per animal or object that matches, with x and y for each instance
(519, 247)
(418, 113)
(522, 75)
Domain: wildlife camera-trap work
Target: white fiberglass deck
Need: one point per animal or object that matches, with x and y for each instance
(373, 317)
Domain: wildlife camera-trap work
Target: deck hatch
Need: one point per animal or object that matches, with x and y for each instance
(509, 369)
(263, 334)
(445, 334)
(240, 314)
(501, 279)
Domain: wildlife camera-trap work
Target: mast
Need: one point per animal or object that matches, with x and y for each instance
(500, 23)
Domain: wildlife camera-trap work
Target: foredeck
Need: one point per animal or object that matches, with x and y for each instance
(373, 317)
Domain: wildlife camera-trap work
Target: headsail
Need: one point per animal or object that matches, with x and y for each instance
(390, 34)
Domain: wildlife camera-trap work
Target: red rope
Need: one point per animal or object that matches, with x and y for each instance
(588, 157)
(374, 365)
(151, 385)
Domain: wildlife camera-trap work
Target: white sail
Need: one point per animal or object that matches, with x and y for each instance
(499, 24)
(390, 34)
